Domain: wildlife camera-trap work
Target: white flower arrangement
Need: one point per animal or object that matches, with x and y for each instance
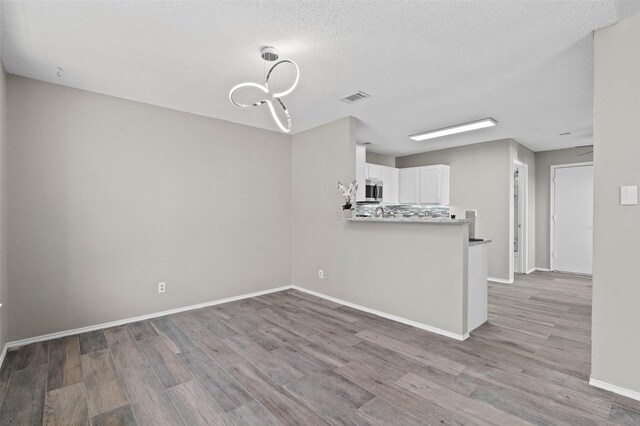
(349, 194)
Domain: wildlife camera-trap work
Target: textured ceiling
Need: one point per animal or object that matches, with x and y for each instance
(427, 65)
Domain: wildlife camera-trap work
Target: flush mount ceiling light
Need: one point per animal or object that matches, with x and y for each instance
(273, 99)
(459, 128)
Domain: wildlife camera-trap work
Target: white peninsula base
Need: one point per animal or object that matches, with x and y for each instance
(477, 279)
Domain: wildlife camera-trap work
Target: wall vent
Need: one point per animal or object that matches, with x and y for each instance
(359, 95)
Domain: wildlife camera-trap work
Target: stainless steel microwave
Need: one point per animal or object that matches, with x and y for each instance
(373, 190)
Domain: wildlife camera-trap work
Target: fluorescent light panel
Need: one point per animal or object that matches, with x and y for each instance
(459, 128)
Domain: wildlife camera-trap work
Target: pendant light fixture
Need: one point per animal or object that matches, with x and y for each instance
(273, 98)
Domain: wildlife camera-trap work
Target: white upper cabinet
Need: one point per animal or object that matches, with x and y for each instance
(408, 193)
(361, 174)
(390, 181)
(413, 185)
(374, 171)
(425, 185)
(434, 184)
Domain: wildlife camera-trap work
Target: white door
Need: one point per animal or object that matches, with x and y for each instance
(519, 209)
(572, 219)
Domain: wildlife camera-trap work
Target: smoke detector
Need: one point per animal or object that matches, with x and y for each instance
(358, 96)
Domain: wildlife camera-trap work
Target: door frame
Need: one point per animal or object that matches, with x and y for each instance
(552, 205)
(524, 196)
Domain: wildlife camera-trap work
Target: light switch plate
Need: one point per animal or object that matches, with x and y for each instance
(629, 195)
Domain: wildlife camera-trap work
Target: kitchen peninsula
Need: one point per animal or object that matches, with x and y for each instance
(424, 271)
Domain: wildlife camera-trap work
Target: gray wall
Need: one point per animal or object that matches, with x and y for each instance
(108, 197)
(544, 161)
(410, 270)
(4, 281)
(480, 179)
(616, 286)
(381, 159)
(322, 156)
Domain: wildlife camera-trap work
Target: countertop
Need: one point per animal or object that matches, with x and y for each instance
(477, 243)
(443, 220)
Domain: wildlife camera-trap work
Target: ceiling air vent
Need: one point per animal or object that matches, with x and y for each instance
(355, 97)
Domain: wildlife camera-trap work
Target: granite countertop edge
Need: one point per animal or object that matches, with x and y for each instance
(445, 221)
(477, 243)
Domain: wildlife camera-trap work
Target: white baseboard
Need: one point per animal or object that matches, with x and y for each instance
(500, 280)
(387, 316)
(45, 337)
(615, 389)
(17, 343)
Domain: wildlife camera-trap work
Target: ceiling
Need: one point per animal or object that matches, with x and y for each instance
(427, 65)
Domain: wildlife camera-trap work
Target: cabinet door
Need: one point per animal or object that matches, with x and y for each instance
(429, 185)
(409, 186)
(361, 159)
(444, 184)
(433, 186)
(390, 181)
(374, 171)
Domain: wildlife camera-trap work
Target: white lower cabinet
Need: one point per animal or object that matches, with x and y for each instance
(478, 260)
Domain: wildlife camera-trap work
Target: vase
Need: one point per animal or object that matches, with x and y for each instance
(347, 213)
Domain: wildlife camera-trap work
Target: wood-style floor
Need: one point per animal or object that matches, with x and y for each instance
(290, 358)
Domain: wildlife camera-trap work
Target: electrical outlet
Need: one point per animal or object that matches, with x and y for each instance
(320, 273)
(162, 287)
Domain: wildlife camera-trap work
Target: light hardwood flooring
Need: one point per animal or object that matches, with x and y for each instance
(291, 358)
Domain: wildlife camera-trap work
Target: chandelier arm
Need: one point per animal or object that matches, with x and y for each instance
(286, 129)
(243, 85)
(293, 86)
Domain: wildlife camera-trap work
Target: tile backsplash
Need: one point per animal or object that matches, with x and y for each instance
(407, 210)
